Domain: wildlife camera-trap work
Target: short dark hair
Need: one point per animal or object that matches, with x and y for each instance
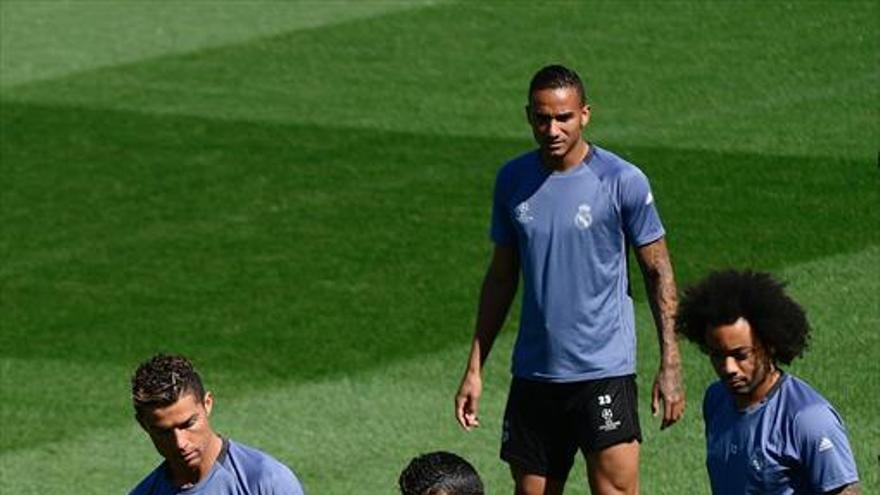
(557, 76)
(725, 296)
(439, 473)
(162, 380)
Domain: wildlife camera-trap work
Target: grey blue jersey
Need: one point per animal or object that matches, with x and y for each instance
(572, 230)
(793, 442)
(239, 470)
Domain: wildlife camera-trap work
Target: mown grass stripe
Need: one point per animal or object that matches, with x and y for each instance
(48, 39)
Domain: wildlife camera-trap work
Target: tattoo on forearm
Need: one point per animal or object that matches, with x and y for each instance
(660, 284)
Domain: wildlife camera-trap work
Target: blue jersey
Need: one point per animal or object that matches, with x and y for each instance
(793, 442)
(239, 470)
(572, 230)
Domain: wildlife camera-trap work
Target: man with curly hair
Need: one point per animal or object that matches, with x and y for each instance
(440, 473)
(172, 406)
(767, 431)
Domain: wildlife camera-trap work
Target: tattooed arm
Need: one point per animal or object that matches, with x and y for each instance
(660, 285)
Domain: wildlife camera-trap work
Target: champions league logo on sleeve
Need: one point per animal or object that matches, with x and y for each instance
(522, 213)
(757, 462)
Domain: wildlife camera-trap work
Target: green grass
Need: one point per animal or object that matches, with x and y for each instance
(372, 422)
(300, 201)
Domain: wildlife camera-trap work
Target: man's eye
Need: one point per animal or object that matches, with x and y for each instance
(542, 119)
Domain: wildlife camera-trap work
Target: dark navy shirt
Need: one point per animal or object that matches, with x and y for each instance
(239, 470)
(572, 230)
(793, 442)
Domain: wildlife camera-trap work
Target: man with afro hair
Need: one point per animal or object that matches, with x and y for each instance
(767, 431)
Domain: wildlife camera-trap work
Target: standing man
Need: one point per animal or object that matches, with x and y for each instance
(172, 406)
(565, 215)
(767, 432)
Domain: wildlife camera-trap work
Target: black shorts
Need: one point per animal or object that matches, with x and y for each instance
(546, 423)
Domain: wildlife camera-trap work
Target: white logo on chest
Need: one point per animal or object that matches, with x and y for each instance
(522, 213)
(584, 218)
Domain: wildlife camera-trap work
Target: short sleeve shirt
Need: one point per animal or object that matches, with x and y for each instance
(793, 442)
(572, 230)
(239, 470)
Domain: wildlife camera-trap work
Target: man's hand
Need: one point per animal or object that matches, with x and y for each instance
(669, 390)
(467, 400)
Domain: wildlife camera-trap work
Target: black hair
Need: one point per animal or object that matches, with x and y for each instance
(557, 76)
(723, 297)
(440, 473)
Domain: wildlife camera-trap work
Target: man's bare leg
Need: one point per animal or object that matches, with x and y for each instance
(615, 470)
(535, 484)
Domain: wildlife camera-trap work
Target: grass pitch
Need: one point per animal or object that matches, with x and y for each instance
(297, 197)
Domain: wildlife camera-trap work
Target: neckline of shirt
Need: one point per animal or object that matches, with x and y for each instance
(572, 171)
(224, 451)
(773, 390)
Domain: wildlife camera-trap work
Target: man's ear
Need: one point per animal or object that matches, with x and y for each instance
(208, 402)
(585, 115)
(528, 109)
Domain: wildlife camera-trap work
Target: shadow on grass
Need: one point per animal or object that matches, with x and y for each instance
(279, 252)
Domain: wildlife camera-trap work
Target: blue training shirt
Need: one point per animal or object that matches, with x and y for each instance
(793, 442)
(239, 470)
(572, 230)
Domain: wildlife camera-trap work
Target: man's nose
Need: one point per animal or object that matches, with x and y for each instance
(180, 439)
(729, 365)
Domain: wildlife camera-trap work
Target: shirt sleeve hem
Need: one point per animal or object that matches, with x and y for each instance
(502, 242)
(838, 484)
(649, 238)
